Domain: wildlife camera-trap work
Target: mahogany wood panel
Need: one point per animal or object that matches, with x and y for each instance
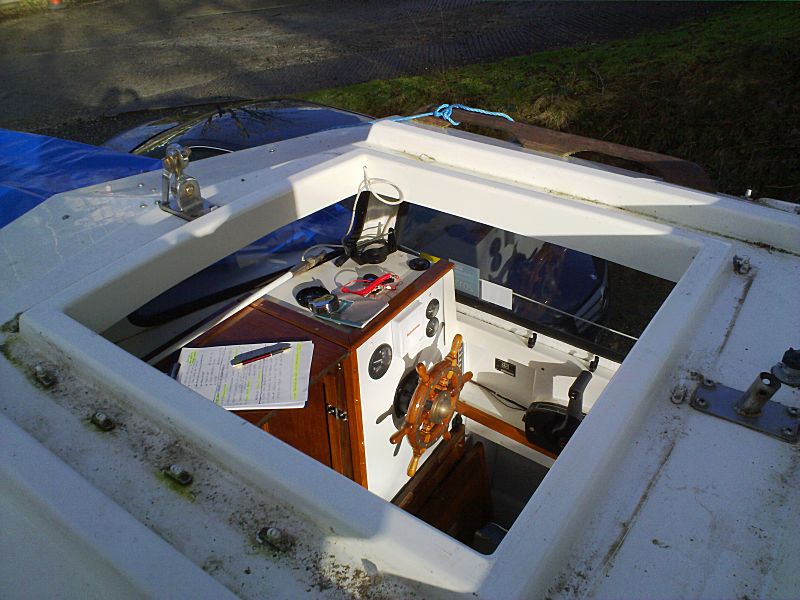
(353, 404)
(417, 490)
(499, 426)
(352, 337)
(305, 429)
(338, 430)
(462, 503)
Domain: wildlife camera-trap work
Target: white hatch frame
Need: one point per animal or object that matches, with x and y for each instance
(538, 196)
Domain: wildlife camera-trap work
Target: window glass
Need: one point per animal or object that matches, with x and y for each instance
(536, 283)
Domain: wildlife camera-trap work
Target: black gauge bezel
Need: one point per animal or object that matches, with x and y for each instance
(386, 363)
(432, 309)
(432, 328)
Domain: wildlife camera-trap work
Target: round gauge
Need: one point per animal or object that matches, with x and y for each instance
(433, 309)
(379, 361)
(433, 327)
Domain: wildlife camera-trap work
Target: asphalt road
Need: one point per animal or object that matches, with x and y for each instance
(114, 56)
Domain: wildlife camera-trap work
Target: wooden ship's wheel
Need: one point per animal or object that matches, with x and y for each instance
(432, 405)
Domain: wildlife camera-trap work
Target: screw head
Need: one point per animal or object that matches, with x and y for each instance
(793, 411)
(701, 402)
(788, 432)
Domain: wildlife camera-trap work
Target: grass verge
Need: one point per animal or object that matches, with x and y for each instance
(722, 93)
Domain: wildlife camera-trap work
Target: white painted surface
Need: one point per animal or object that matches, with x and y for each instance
(63, 538)
(386, 471)
(718, 500)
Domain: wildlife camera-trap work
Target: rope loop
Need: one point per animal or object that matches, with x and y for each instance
(445, 111)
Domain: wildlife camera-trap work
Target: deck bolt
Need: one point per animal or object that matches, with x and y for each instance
(678, 394)
(178, 473)
(275, 537)
(102, 421)
(741, 264)
(44, 376)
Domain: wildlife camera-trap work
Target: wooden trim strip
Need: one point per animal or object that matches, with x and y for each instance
(353, 403)
(499, 426)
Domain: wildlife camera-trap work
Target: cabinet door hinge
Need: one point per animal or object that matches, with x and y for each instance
(336, 413)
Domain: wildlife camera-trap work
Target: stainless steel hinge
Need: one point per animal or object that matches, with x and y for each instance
(180, 193)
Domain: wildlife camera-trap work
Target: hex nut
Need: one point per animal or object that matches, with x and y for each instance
(274, 537)
(178, 474)
(102, 421)
(678, 394)
(44, 376)
(741, 264)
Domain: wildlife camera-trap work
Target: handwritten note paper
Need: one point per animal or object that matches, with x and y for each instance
(279, 381)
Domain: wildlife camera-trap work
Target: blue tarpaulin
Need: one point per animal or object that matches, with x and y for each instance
(34, 167)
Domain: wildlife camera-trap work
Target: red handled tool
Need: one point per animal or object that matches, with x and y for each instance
(370, 285)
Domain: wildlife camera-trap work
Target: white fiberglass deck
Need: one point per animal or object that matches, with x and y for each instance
(648, 499)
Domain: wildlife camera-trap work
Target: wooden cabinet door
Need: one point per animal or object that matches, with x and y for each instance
(339, 423)
(321, 430)
(305, 429)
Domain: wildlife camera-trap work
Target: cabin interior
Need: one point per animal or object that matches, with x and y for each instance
(536, 351)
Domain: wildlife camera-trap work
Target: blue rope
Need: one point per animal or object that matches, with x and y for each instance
(445, 111)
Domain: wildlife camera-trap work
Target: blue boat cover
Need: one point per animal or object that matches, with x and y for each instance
(34, 167)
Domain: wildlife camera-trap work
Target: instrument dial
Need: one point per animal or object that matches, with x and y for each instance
(433, 327)
(380, 361)
(433, 309)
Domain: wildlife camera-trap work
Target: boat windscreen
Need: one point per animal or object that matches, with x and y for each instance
(247, 268)
(584, 300)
